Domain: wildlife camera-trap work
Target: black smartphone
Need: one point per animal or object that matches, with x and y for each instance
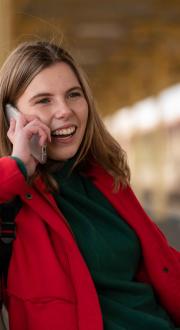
(37, 151)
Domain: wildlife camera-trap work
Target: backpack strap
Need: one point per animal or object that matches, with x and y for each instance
(8, 212)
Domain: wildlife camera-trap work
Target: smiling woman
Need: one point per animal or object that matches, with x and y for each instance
(86, 256)
(56, 98)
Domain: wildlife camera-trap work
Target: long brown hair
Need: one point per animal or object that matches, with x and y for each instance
(22, 65)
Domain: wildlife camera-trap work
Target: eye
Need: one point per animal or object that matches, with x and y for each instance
(75, 94)
(45, 100)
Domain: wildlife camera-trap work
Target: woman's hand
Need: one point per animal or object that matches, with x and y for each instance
(20, 133)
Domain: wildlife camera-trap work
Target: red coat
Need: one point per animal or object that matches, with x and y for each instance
(49, 284)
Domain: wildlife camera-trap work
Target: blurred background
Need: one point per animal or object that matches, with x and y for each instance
(130, 50)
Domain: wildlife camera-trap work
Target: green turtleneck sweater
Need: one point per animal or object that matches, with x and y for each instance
(112, 252)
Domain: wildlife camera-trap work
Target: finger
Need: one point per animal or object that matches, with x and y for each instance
(11, 130)
(36, 130)
(48, 132)
(42, 138)
(46, 129)
(37, 123)
(21, 121)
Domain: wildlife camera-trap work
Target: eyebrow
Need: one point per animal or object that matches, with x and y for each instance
(45, 94)
(39, 95)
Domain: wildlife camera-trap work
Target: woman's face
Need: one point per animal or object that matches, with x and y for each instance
(56, 98)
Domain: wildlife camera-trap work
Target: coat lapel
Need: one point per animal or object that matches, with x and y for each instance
(43, 203)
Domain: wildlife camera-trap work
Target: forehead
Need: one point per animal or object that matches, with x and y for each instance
(59, 75)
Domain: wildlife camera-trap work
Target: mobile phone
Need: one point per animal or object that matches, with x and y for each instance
(37, 151)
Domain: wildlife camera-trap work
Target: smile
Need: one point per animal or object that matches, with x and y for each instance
(64, 132)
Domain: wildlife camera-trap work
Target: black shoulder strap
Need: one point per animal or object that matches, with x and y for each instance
(8, 212)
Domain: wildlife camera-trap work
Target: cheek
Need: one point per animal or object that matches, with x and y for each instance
(25, 109)
(85, 113)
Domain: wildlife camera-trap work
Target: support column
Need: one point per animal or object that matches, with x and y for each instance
(5, 27)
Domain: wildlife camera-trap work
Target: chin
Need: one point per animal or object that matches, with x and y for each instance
(62, 156)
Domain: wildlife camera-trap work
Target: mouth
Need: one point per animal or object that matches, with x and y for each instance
(64, 132)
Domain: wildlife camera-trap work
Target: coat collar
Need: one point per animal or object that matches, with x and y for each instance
(44, 204)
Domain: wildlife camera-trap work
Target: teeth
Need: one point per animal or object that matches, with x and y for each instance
(64, 131)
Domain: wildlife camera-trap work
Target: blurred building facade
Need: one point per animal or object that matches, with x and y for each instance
(130, 51)
(150, 133)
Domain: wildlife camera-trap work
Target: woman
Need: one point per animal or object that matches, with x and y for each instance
(86, 256)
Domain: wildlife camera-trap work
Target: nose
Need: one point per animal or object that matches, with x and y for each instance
(62, 110)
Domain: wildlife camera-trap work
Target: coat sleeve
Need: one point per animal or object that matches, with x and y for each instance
(12, 180)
